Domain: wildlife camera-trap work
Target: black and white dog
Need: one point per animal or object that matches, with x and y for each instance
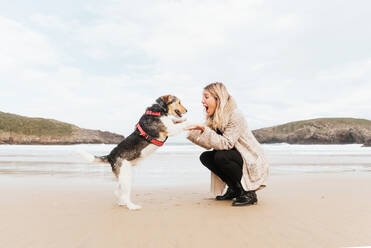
(151, 132)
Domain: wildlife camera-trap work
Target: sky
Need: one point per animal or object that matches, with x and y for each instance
(99, 64)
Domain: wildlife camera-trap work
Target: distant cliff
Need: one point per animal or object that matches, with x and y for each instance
(318, 131)
(16, 129)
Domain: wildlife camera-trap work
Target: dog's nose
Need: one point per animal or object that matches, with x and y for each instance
(186, 110)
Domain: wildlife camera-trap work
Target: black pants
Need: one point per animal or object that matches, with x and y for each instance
(226, 164)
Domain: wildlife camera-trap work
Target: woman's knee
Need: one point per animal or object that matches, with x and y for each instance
(206, 157)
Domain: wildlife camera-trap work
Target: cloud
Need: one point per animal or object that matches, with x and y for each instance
(50, 22)
(350, 71)
(22, 47)
(100, 65)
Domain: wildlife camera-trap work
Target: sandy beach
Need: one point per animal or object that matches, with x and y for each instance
(298, 210)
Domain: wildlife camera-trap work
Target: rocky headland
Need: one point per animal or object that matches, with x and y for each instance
(367, 143)
(16, 129)
(318, 131)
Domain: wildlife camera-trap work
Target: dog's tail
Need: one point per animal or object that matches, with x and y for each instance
(91, 158)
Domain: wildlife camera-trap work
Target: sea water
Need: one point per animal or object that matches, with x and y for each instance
(174, 163)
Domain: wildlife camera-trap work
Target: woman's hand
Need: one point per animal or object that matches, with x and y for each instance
(195, 127)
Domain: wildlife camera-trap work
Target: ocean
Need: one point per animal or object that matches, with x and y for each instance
(172, 164)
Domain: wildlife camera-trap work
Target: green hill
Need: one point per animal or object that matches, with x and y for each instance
(17, 129)
(34, 126)
(318, 131)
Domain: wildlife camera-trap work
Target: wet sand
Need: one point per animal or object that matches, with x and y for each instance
(297, 210)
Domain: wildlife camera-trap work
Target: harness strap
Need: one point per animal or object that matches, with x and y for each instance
(149, 112)
(149, 138)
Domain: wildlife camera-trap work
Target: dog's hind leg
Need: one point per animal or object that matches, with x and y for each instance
(116, 170)
(125, 177)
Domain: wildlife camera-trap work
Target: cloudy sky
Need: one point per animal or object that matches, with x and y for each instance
(98, 64)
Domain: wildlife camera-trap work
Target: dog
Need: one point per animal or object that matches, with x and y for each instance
(151, 132)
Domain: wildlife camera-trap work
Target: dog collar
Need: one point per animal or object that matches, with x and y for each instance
(149, 138)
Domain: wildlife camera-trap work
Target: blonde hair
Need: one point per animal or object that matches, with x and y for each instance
(225, 104)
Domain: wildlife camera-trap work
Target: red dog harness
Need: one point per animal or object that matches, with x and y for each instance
(145, 135)
(149, 112)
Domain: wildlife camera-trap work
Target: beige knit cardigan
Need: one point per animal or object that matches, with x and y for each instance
(235, 134)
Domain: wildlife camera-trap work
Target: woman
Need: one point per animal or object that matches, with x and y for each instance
(237, 159)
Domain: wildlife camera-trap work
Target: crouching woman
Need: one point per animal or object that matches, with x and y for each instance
(236, 159)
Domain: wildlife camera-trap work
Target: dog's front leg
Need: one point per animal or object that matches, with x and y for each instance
(125, 186)
(176, 128)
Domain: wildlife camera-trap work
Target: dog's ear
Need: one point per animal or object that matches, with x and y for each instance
(167, 99)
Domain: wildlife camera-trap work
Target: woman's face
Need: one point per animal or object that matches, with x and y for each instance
(209, 103)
